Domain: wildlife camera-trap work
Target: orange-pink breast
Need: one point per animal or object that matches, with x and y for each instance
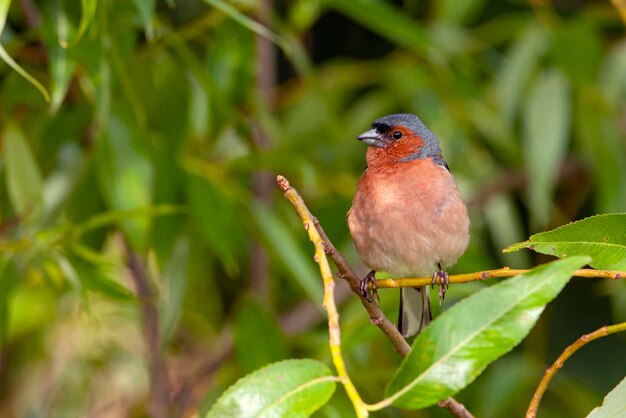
(407, 217)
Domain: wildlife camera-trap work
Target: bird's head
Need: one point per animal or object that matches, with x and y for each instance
(399, 138)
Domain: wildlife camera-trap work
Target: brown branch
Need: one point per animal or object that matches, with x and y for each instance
(543, 385)
(329, 297)
(488, 274)
(159, 378)
(262, 179)
(456, 408)
(377, 317)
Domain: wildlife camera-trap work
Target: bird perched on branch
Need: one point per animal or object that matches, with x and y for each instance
(407, 217)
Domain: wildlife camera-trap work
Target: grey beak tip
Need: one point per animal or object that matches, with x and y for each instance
(371, 137)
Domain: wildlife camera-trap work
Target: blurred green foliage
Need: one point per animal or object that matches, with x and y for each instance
(147, 148)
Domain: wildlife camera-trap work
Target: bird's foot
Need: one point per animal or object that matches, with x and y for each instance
(441, 279)
(366, 292)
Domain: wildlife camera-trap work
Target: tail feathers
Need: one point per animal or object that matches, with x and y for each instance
(414, 312)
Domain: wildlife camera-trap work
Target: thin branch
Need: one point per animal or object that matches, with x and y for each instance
(377, 317)
(329, 300)
(159, 379)
(543, 385)
(456, 408)
(262, 179)
(488, 274)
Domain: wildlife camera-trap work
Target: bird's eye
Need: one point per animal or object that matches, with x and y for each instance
(397, 135)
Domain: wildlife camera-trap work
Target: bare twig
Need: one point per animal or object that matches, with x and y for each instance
(377, 317)
(456, 408)
(329, 300)
(159, 378)
(543, 385)
(488, 274)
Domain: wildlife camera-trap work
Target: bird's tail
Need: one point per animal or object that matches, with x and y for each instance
(414, 312)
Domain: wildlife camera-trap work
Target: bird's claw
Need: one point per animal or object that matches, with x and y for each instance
(441, 279)
(366, 291)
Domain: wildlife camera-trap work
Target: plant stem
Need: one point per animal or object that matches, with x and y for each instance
(160, 388)
(377, 317)
(488, 274)
(551, 372)
(329, 300)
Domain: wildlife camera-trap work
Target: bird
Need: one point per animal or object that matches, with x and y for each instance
(407, 216)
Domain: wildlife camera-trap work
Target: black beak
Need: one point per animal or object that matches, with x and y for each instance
(372, 138)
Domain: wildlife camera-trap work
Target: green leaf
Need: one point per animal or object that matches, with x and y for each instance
(88, 11)
(292, 47)
(601, 141)
(30, 308)
(614, 405)
(8, 279)
(175, 275)
(24, 182)
(516, 69)
(546, 132)
(504, 220)
(376, 15)
(125, 174)
(60, 184)
(458, 11)
(218, 218)
(290, 388)
(103, 219)
(303, 14)
(455, 348)
(580, 63)
(95, 278)
(69, 273)
(4, 11)
(601, 237)
(613, 74)
(146, 13)
(62, 66)
(280, 239)
(199, 108)
(258, 328)
(4, 55)
(494, 130)
(247, 22)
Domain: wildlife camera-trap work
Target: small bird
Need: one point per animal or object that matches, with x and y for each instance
(407, 216)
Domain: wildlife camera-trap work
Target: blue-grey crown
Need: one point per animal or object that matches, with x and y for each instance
(431, 146)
